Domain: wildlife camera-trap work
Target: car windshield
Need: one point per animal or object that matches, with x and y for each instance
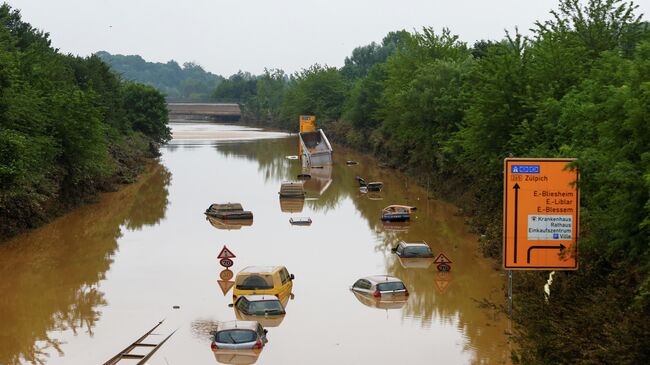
(417, 251)
(236, 336)
(395, 285)
(266, 307)
(252, 282)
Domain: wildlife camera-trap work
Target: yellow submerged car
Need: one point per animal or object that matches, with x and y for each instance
(271, 280)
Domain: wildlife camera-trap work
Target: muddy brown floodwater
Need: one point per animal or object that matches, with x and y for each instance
(83, 287)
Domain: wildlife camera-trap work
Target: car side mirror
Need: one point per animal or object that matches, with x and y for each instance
(266, 331)
(291, 277)
(231, 305)
(394, 249)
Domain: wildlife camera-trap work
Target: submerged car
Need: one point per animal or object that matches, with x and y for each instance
(396, 213)
(408, 250)
(228, 211)
(370, 186)
(300, 221)
(379, 286)
(292, 189)
(239, 335)
(268, 310)
(268, 280)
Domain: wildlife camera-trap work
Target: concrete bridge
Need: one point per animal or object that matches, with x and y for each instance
(214, 112)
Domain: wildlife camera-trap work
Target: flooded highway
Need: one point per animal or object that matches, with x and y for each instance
(85, 286)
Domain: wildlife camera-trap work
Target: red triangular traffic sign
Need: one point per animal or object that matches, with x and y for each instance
(226, 253)
(225, 285)
(442, 259)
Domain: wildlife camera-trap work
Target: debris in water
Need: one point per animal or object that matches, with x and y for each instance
(292, 157)
(176, 307)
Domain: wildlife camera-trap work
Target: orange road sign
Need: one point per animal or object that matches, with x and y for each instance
(225, 285)
(225, 253)
(226, 274)
(307, 123)
(540, 214)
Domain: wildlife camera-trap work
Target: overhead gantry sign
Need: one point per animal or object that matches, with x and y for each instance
(540, 214)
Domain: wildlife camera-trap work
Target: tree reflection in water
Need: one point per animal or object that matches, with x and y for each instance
(50, 277)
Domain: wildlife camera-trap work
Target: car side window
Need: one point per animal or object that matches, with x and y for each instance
(284, 276)
(400, 249)
(362, 284)
(242, 304)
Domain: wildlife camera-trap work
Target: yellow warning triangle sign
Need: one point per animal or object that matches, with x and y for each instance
(225, 285)
(226, 253)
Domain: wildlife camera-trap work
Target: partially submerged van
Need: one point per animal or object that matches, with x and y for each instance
(273, 280)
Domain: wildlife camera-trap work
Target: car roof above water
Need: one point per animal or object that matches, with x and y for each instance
(378, 279)
(241, 325)
(260, 269)
(413, 244)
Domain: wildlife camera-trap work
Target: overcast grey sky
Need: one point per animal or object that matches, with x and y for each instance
(226, 36)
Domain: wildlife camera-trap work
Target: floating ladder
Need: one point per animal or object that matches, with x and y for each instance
(127, 355)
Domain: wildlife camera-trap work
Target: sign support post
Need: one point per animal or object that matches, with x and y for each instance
(510, 293)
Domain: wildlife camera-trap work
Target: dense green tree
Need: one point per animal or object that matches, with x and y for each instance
(422, 98)
(363, 58)
(145, 109)
(238, 87)
(189, 82)
(69, 126)
(318, 90)
(265, 106)
(365, 99)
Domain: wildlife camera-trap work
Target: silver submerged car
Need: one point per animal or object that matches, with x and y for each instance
(380, 285)
(413, 250)
(239, 335)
